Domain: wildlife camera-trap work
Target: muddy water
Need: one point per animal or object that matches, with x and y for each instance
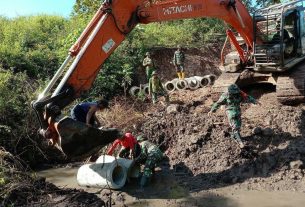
(165, 192)
(62, 177)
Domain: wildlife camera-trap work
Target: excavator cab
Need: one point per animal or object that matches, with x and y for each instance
(279, 37)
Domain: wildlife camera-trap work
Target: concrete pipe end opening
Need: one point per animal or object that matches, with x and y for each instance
(134, 91)
(181, 85)
(193, 83)
(204, 82)
(118, 177)
(212, 79)
(146, 90)
(169, 86)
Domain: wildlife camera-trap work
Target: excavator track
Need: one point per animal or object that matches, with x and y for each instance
(290, 86)
(222, 83)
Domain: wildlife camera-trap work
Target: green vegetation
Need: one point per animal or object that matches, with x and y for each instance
(18, 123)
(30, 44)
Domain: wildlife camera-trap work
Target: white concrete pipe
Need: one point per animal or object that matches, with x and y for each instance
(203, 81)
(134, 91)
(110, 173)
(211, 78)
(192, 83)
(170, 85)
(146, 89)
(133, 170)
(181, 85)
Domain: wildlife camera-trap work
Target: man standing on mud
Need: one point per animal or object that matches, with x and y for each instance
(178, 62)
(149, 66)
(156, 88)
(232, 100)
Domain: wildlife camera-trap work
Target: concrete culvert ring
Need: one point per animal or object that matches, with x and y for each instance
(169, 86)
(193, 83)
(134, 91)
(204, 82)
(146, 90)
(211, 78)
(118, 176)
(181, 85)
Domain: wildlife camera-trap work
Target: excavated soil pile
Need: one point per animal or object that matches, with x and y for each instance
(19, 188)
(203, 156)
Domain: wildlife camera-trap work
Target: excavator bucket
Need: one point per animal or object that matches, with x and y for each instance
(80, 141)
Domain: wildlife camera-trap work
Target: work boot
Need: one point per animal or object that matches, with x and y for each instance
(182, 75)
(237, 138)
(144, 181)
(179, 75)
(241, 144)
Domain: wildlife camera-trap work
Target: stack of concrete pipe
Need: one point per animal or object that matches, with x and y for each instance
(192, 83)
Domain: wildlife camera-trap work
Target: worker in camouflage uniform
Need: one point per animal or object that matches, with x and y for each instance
(156, 88)
(178, 62)
(150, 156)
(149, 66)
(232, 100)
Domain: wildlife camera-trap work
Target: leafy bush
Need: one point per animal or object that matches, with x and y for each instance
(18, 124)
(31, 43)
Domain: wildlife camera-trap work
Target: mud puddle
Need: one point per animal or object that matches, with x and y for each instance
(164, 191)
(62, 177)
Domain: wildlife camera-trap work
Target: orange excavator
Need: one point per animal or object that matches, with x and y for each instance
(271, 41)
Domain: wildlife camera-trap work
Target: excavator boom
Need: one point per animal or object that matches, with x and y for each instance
(233, 13)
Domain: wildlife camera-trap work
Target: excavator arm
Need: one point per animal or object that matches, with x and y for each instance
(107, 29)
(232, 12)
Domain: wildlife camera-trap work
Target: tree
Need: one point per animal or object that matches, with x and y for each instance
(30, 44)
(86, 7)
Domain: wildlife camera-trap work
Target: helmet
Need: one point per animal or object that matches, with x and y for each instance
(154, 73)
(141, 138)
(179, 47)
(233, 89)
(147, 53)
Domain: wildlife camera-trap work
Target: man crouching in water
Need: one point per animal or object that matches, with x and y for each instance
(150, 156)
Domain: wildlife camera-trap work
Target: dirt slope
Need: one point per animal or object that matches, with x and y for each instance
(203, 156)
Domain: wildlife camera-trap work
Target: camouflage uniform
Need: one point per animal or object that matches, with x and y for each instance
(150, 156)
(178, 61)
(232, 99)
(149, 66)
(156, 88)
